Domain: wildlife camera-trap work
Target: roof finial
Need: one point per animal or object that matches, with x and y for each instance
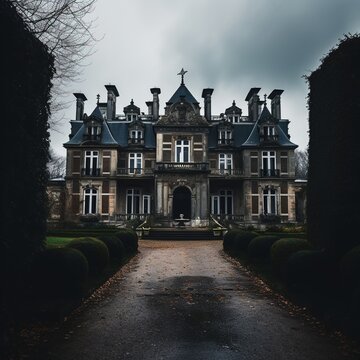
(98, 99)
(234, 103)
(132, 102)
(265, 96)
(182, 73)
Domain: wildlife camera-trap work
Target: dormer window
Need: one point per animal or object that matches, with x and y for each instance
(225, 137)
(233, 118)
(93, 125)
(132, 117)
(136, 137)
(268, 133)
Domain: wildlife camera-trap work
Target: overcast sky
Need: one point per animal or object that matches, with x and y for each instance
(228, 45)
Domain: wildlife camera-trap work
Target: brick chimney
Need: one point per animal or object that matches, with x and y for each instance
(80, 99)
(155, 112)
(206, 94)
(112, 94)
(254, 103)
(275, 98)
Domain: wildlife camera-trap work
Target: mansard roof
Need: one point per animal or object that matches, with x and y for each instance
(182, 92)
(233, 109)
(254, 138)
(132, 108)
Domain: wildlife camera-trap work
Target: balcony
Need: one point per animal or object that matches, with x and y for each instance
(90, 172)
(182, 167)
(134, 172)
(269, 139)
(226, 172)
(228, 142)
(269, 173)
(136, 141)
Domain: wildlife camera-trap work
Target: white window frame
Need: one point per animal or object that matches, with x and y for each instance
(270, 201)
(135, 134)
(91, 161)
(90, 201)
(146, 204)
(268, 162)
(225, 163)
(181, 155)
(135, 163)
(224, 135)
(133, 197)
(223, 196)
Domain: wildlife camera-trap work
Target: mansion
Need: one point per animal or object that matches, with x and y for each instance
(182, 163)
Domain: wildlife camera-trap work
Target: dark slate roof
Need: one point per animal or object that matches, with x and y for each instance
(254, 139)
(182, 91)
(233, 109)
(132, 108)
(266, 117)
(96, 114)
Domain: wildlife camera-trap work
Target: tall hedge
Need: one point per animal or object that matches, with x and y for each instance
(25, 98)
(334, 151)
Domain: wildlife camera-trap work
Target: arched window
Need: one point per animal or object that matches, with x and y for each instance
(90, 201)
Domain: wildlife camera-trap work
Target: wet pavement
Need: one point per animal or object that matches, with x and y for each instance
(188, 300)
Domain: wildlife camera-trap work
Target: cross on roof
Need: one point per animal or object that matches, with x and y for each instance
(182, 73)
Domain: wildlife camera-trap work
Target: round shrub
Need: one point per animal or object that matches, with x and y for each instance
(95, 251)
(282, 249)
(349, 267)
(307, 267)
(129, 238)
(59, 271)
(237, 240)
(260, 246)
(115, 246)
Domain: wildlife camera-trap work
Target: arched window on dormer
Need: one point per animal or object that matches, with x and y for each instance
(136, 133)
(93, 126)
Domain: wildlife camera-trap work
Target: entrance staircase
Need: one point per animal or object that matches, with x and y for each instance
(181, 234)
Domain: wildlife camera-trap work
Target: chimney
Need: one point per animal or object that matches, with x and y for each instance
(275, 98)
(206, 94)
(150, 107)
(80, 99)
(112, 94)
(155, 112)
(254, 103)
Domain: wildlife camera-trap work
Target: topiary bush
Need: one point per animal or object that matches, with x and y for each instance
(129, 238)
(95, 251)
(307, 268)
(59, 271)
(349, 268)
(282, 249)
(115, 246)
(237, 240)
(259, 246)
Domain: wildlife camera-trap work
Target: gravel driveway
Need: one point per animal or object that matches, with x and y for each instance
(188, 300)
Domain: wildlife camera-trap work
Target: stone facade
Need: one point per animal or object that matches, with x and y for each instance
(183, 163)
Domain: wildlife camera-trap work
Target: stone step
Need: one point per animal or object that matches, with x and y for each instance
(180, 234)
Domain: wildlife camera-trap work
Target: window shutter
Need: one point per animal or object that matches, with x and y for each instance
(198, 155)
(106, 186)
(105, 204)
(255, 204)
(254, 187)
(106, 165)
(75, 202)
(75, 165)
(254, 165)
(284, 205)
(284, 164)
(75, 187)
(166, 156)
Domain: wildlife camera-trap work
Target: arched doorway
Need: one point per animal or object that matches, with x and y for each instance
(182, 202)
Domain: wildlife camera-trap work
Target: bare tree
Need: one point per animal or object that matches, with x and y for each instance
(301, 164)
(66, 27)
(56, 165)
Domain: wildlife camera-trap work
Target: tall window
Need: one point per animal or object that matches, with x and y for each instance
(269, 163)
(133, 201)
(233, 118)
(135, 162)
(222, 204)
(225, 163)
(146, 204)
(135, 136)
(270, 202)
(91, 163)
(90, 201)
(182, 151)
(225, 136)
